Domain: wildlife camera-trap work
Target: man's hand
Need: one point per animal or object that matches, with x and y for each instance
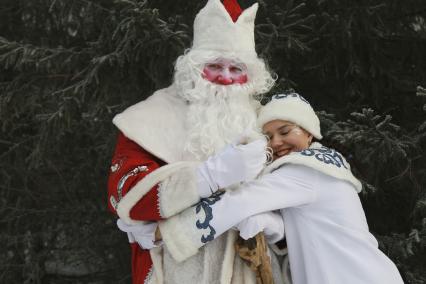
(143, 234)
(270, 223)
(234, 164)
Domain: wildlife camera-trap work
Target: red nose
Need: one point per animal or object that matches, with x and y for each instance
(224, 81)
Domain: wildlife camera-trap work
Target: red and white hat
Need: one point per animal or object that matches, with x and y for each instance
(225, 28)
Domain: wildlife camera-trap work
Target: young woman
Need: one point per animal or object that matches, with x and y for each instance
(326, 230)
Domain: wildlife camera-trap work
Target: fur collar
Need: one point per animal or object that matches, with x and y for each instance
(157, 124)
(321, 158)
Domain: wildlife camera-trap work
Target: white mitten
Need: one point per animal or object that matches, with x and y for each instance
(143, 234)
(270, 223)
(234, 164)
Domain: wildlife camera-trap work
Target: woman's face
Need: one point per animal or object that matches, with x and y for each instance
(225, 72)
(286, 137)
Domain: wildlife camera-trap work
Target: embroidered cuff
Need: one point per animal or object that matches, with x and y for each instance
(184, 233)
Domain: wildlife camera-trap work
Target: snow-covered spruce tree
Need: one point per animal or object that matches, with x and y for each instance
(68, 66)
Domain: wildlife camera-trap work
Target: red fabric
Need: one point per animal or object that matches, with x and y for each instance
(128, 156)
(141, 264)
(233, 9)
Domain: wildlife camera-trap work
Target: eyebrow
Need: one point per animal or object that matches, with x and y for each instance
(240, 65)
(279, 129)
(284, 126)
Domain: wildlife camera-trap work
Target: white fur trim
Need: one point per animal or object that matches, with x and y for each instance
(343, 173)
(180, 235)
(157, 124)
(293, 109)
(228, 260)
(157, 264)
(145, 185)
(242, 274)
(214, 30)
(178, 191)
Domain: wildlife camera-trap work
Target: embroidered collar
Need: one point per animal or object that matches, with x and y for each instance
(321, 158)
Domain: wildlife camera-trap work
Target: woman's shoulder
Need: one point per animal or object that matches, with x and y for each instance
(314, 154)
(319, 158)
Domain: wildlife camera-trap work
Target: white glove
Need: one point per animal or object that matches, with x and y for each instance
(143, 234)
(234, 164)
(270, 223)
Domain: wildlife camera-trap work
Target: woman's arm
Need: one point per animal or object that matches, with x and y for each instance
(289, 186)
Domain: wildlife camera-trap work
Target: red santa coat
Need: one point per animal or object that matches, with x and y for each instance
(153, 178)
(130, 164)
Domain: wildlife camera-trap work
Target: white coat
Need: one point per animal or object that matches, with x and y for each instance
(326, 229)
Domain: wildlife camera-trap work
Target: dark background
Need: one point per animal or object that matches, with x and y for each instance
(68, 66)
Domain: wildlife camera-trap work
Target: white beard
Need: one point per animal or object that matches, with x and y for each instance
(217, 116)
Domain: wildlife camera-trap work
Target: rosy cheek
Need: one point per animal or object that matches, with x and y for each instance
(240, 79)
(301, 142)
(209, 75)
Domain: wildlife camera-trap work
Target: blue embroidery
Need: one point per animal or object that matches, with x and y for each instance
(205, 204)
(326, 155)
(294, 95)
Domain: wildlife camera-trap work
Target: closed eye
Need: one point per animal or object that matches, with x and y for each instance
(235, 69)
(214, 66)
(284, 130)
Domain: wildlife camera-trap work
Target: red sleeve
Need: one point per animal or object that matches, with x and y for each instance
(141, 264)
(130, 164)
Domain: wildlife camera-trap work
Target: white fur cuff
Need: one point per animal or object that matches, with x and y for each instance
(187, 196)
(179, 191)
(180, 235)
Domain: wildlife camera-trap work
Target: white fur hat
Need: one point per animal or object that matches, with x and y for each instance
(291, 107)
(214, 30)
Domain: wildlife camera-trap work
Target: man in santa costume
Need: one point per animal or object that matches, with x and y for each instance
(178, 147)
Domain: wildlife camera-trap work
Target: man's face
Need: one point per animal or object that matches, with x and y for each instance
(225, 72)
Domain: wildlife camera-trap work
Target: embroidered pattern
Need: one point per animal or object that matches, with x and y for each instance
(115, 167)
(123, 179)
(205, 204)
(326, 155)
(117, 163)
(113, 202)
(294, 95)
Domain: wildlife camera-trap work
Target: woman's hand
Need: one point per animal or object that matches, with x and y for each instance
(270, 223)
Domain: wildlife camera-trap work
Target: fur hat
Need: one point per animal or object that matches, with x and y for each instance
(215, 29)
(293, 108)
